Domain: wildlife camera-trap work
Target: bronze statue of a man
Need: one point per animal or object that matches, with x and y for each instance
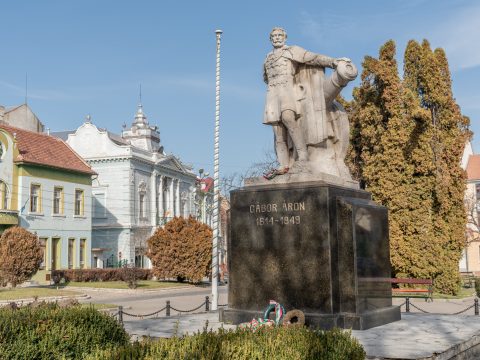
(299, 101)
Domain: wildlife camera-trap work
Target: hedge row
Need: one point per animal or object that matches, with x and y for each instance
(92, 275)
(268, 343)
(49, 331)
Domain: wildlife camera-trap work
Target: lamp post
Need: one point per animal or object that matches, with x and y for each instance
(216, 188)
(202, 195)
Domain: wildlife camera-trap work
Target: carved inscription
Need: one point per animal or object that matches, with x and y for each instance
(285, 213)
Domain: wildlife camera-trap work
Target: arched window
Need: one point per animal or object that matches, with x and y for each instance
(4, 195)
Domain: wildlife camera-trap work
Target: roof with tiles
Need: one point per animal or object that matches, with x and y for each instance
(473, 167)
(42, 149)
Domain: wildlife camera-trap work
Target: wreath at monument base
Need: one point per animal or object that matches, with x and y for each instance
(294, 318)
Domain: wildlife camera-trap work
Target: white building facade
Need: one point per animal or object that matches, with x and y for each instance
(138, 188)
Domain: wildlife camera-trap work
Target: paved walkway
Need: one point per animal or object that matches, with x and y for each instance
(146, 302)
(174, 325)
(423, 336)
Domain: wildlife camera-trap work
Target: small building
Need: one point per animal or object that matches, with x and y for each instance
(46, 189)
(470, 261)
(21, 116)
(138, 188)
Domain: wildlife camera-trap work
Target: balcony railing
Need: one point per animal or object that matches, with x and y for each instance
(8, 217)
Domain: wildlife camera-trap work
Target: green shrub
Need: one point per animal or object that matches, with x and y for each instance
(181, 250)
(51, 332)
(20, 254)
(92, 275)
(268, 343)
(477, 286)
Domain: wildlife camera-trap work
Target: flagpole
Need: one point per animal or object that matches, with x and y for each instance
(216, 188)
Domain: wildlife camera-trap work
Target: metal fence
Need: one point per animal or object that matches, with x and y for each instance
(120, 313)
(407, 303)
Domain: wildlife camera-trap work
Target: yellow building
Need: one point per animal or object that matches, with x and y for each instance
(46, 188)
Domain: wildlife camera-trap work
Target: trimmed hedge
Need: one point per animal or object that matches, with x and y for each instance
(51, 332)
(93, 275)
(282, 343)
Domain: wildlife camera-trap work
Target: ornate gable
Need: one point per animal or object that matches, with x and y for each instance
(171, 162)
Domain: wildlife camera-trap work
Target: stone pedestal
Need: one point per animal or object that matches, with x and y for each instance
(311, 246)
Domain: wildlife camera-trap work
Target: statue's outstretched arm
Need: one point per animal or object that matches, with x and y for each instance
(311, 58)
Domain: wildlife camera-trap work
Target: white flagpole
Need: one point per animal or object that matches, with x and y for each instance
(216, 188)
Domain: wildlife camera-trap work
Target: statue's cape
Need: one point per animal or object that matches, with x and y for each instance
(309, 82)
(311, 103)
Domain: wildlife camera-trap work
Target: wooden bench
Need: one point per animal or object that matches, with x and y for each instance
(426, 293)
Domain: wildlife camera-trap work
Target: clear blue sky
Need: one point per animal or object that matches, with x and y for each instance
(89, 57)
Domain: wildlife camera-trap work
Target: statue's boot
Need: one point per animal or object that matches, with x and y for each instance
(282, 154)
(300, 145)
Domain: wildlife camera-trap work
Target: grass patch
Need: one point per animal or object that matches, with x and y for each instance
(142, 284)
(30, 292)
(463, 293)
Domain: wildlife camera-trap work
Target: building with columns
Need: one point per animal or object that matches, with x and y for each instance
(138, 188)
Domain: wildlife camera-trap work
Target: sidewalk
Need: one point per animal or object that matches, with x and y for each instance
(25, 301)
(178, 325)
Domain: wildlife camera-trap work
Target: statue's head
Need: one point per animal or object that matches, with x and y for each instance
(278, 36)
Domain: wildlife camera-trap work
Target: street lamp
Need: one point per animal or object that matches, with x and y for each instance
(202, 194)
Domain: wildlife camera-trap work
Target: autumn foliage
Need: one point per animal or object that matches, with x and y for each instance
(182, 249)
(408, 136)
(20, 256)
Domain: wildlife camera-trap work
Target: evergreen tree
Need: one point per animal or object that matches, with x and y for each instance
(380, 132)
(444, 132)
(407, 142)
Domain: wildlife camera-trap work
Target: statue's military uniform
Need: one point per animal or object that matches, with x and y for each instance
(280, 68)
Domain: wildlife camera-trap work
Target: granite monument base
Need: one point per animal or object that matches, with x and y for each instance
(312, 246)
(365, 320)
